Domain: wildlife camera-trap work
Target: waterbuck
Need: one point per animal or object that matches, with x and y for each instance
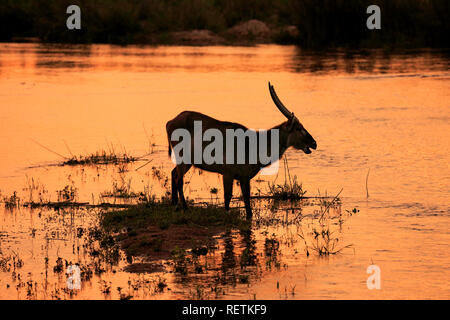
(290, 133)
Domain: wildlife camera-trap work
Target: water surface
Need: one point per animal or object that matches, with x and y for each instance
(386, 112)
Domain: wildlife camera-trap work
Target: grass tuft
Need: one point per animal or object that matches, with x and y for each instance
(12, 201)
(290, 189)
(100, 158)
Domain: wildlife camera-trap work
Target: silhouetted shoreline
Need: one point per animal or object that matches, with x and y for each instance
(307, 23)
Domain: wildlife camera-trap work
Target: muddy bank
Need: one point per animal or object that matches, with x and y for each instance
(154, 231)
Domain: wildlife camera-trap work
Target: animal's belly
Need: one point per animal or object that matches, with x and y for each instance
(236, 171)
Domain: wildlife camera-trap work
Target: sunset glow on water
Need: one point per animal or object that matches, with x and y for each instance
(381, 122)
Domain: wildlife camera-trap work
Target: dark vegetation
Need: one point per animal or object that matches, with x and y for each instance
(99, 158)
(321, 23)
(404, 23)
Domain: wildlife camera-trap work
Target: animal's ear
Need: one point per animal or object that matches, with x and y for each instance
(291, 123)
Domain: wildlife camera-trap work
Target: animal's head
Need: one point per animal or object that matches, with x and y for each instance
(297, 136)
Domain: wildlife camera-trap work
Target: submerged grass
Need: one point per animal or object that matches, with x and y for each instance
(290, 189)
(323, 239)
(11, 202)
(150, 229)
(121, 189)
(287, 191)
(102, 157)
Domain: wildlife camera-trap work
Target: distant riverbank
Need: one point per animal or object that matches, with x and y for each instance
(315, 24)
(247, 33)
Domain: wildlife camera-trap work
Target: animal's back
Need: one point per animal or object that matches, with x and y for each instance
(186, 120)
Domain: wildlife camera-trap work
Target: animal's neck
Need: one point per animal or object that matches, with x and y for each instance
(282, 143)
(283, 139)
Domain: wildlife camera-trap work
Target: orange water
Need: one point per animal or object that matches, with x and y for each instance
(387, 112)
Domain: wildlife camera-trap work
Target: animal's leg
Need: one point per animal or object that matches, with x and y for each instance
(227, 190)
(245, 187)
(174, 187)
(181, 171)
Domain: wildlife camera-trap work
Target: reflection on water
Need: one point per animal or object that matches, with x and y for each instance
(373, 61)
(268, 58)
(377, 110)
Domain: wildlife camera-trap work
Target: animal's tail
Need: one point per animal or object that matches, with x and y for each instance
(168, 138)
(170, 147)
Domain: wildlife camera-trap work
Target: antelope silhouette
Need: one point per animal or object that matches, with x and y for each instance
(291, 133)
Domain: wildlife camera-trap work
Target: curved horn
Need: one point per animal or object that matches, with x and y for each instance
(279, 104)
